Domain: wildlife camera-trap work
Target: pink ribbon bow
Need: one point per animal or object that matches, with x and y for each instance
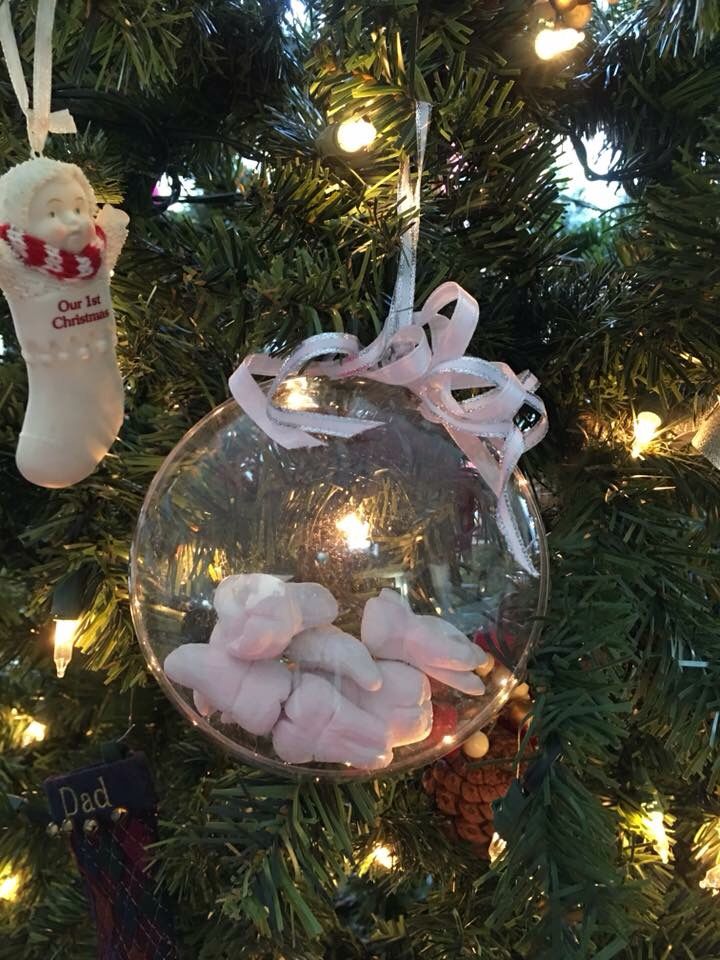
(483, 426)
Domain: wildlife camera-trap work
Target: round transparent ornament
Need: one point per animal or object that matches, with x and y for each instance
(398, 508)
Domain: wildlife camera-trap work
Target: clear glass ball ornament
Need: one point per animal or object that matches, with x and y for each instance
(397, 512)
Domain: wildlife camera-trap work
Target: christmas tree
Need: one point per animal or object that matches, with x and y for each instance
(215, 126)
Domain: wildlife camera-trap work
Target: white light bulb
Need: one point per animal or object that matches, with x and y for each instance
(296, 396)
(654, 824)
(355, 531)
(384, 857)
(354, 135)
(497, 847)
(65, 631)
(9, 887)
(711, 880)
(646, 426)
(34, 732)
(549, 43)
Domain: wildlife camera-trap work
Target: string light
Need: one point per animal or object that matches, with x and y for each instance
(654, 825)
(647, 423)
(355, 134)
(383, 857)
(355, 530)
(711, 880)
(708, 851)
(549, 42)
(34, 732)
(10, 887)
(67, 610)
(295, 395)
(65, 631)
(497, 847)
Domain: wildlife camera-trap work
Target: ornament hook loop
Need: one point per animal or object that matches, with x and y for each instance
(41, 120)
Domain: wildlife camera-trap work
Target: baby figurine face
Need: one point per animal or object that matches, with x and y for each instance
(60, 215)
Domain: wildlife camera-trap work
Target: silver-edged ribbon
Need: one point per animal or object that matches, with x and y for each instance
(433, 368)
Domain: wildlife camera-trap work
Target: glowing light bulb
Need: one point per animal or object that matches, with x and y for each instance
(711, 880)
(355, 134)
(654, 825)
(355, 530)
(497, 847)
(646, 426)
(384, 857)
(10, 887)
(64, 642)
(34, 732)
(549, 43)
(295, 396)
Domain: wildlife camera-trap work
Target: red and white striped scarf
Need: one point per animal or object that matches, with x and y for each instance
(56, 263)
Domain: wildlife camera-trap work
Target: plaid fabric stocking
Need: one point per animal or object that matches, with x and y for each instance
(111, 812)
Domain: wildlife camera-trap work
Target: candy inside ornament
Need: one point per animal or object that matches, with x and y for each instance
(314, 610)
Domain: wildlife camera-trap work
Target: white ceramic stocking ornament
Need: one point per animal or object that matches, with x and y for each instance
(56, 257)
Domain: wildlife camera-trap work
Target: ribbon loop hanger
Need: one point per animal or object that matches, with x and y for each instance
(41, 120)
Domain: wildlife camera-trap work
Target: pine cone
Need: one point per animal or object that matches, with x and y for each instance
(465, 791)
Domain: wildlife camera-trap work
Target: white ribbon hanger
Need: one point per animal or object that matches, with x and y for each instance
(40, 119)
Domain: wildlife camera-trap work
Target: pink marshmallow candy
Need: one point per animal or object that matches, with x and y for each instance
(259, 614)
(391, 631)
(403, 703)
(250, 694)
(330, 649)
(321, 725)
